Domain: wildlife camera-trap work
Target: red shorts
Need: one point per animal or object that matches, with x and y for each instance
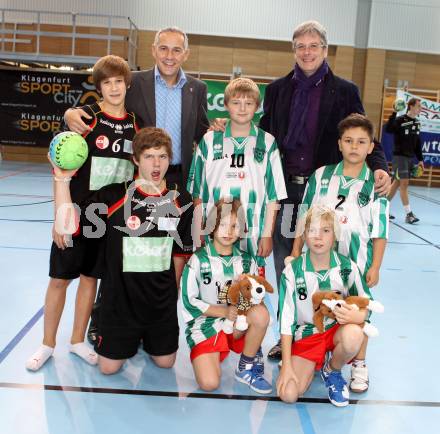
(314, 347)
(219, 343)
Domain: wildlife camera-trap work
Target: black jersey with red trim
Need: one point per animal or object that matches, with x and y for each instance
(143, 232)
(110, 151)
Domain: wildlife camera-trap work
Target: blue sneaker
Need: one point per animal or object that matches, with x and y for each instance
(337, 387)
(253, 377)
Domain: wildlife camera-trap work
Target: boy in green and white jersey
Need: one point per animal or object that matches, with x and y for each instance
(207, 272)
(348, 187)
(242, 162)
(321, 268)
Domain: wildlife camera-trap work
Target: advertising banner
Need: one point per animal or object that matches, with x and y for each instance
(216, 91)
(430, 129)
(33, 103)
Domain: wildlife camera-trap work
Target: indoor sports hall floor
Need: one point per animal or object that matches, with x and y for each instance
(67, 396)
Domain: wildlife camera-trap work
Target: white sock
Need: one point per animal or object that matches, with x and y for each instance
(407, 208)
(85, 352)
(359, 363)
(39, 358)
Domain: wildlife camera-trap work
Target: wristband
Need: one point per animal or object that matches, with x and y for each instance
(67, 179)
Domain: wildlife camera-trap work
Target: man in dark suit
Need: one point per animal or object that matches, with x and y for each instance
(302, 110)
(166, 98)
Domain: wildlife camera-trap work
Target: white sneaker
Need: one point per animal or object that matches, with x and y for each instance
(359, 379)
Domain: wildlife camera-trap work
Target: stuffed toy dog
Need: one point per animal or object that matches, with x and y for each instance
(244, 293)
(324, 303)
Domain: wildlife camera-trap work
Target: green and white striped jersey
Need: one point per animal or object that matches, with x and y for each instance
(203, 276)
(362, 216)
(299, 281)
(246, 168)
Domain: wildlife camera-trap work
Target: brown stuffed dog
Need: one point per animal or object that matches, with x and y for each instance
(244, 293)
(324, 302)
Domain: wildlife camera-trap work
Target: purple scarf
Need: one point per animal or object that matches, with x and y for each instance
(297, 133)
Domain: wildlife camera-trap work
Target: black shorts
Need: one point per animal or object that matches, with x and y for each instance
(160, 339)
(86, 257)
(402, 166)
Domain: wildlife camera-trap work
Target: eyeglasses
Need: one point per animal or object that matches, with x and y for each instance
(311, 47)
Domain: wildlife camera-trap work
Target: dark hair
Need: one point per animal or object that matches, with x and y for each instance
(110, 66)
(151, 137)
(411, 102)
(225, 207)
(356, 120)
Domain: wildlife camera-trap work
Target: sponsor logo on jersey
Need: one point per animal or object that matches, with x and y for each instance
(300, 284)
(102, 142)
(218, 151)
(133, 222)
(324, 181)
(363, 199)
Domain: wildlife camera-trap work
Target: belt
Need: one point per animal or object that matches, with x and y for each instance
(295, 179)
(174, 168)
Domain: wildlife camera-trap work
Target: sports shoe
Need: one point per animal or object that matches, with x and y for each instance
(391, 217)
(275, 352)
(92, 332)
(411, 218)
(337, 387)
(359, 379)
(253, 377)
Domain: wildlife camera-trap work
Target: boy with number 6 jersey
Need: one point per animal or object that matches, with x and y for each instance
(109, 160)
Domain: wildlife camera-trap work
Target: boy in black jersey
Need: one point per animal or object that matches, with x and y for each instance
(407, 145)
(109, 160)
(148, 239)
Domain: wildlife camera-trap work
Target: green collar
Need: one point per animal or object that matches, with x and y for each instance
(213, 252)
(308, 266)
(252, 132)
(364, 174)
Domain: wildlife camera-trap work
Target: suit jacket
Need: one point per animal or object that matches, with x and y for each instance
(141, 100)
(339, 99)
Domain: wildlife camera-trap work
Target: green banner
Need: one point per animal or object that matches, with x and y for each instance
(216, 90)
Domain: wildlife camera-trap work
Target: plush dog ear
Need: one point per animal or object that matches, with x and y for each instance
(361, 302)
(317, 298)
(234, 292)
(262, 281)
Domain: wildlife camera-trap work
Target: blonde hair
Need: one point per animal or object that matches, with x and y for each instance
(242, 86)
(315, 213)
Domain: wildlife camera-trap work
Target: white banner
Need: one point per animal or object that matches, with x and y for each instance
(430, 115)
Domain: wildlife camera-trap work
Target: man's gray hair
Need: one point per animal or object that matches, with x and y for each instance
(308, 27)
(172, 29)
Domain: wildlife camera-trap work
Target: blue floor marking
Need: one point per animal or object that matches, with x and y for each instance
(304, 417)
(24, 248)
(20, 335)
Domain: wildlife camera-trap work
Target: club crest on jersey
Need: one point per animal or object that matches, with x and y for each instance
(363, 199)
(344, 273)
(102, 142)
(133, 222)
(259, 154)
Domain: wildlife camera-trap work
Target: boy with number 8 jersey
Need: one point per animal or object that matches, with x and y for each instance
(243, 162)
(348, 188)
